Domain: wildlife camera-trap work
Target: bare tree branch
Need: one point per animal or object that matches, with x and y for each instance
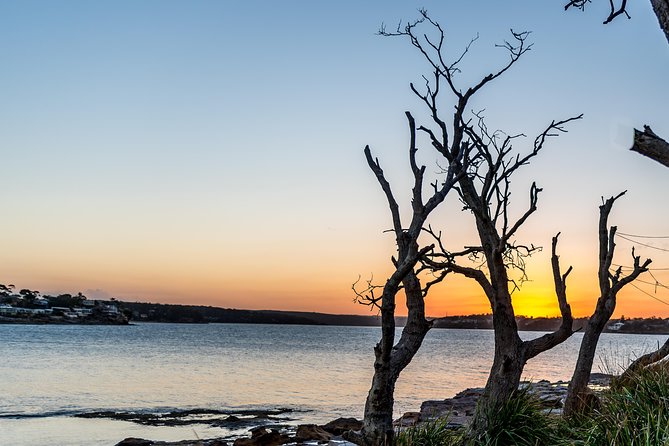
(609, 286)
(385, 185)
(534, 196)
(616, 10)
(481, 163)
(550, 340)
(649, 144)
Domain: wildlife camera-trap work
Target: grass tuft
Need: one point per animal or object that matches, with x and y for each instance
(519, 421)
(635, 412)
(431, 433)
(632, 413)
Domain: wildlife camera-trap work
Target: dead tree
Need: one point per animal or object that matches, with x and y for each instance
(610, 283)
(486, 192)
(484, 188)
(391, 358)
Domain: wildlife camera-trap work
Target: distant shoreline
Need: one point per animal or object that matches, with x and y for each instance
(188, 314)
(151, 312)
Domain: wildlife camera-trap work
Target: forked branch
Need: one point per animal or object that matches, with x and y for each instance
(550, 340)
(615, 10)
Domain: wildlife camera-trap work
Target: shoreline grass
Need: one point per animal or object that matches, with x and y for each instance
(630, 413)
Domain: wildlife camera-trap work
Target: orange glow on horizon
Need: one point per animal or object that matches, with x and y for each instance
(198, 277)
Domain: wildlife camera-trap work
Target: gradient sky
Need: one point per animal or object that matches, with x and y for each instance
(210, 152)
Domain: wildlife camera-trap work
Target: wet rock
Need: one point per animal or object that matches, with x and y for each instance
(235, 422)
(228, 419)
(259, 432)
(341, 425)
(262, 437)
(312, 432)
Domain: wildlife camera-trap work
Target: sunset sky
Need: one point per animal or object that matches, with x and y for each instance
(210, 152)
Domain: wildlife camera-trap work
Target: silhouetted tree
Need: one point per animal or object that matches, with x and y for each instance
(484, 188)
(390, 357)
(29, 296)
(79, 299)
(66, 300)
(611, 281)
(6, 290)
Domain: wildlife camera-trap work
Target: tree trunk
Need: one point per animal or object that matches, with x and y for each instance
(391, 359)
(649, 144)
(578, 397)
(378, 421)
(509, 359)
(377, 427)
(507, 367)
(511, 353)
(661, 8)
(610, 283)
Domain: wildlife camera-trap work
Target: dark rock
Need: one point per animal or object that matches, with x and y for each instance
(142, 442)
(341, 425)
(259, 432)
(262, 437)
(131, 441)
(311, 432)
(235, 422)
(458, 409)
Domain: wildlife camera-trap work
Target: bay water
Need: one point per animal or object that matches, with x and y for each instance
(49, 373)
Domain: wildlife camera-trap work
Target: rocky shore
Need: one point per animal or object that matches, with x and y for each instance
(460, 408)
(269, 436)
(272, 427)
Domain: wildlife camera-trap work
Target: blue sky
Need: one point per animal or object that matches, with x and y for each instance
(211, 152)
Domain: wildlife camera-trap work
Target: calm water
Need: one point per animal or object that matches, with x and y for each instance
(50, 372)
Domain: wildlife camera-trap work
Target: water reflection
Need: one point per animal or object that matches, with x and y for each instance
(326, 370)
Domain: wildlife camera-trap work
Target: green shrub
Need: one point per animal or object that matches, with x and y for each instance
(635, 412)
(520, 421)
(432, 433)
(631, 413)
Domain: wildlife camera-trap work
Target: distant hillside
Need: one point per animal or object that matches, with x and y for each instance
(333, 319)
(484, 321)
(149, 312)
